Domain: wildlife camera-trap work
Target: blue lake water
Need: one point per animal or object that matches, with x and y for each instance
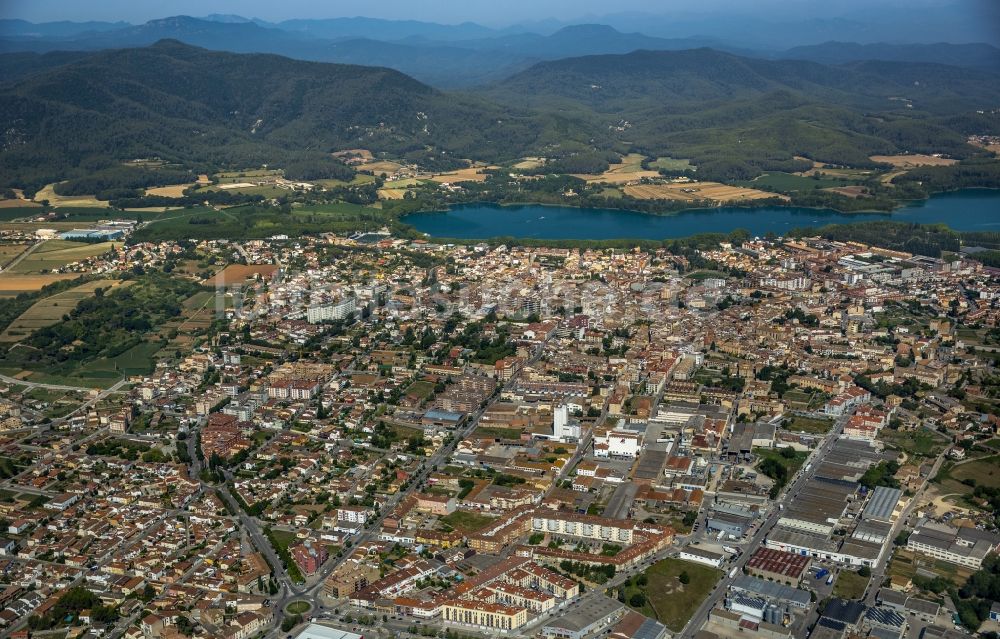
(966, 210)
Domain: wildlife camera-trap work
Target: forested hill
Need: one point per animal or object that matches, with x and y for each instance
(736, 116)
(731, 116)
(677, 79)
(194, 106)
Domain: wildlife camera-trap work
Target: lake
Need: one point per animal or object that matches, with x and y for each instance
(966, 210)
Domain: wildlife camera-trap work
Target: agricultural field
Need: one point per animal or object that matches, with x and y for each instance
(197, 313)
(848, 191)
(58, 201)
(50, 310)
(241, 273)
(629, 169)
(10, 251)
(12, 285)
(664, 595)
(174, 190)
(911, 161)
(471, 174)
(695, 191)
(529, 163)
(391, 194)
(358, 180)
(17, 203)
(54, 254)
(233, 177)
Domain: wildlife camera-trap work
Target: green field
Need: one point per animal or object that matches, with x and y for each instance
(666, 598)
(850, 585)
(54, 254)
(985, 471)
(281, 540)
(792, 464)
(497, 433)
(137, 360)
(421, 390)
(816, 426)
(921, 442)
(671, 164)
(249, 222)
(9, 251)
(466, 522)
(798, 399)
(705, 274)
(790, 183)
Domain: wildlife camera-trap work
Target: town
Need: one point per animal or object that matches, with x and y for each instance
(363, 435)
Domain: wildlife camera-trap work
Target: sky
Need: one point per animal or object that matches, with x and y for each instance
(488, 12)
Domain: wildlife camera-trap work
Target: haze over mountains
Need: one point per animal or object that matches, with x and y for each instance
(447, 56)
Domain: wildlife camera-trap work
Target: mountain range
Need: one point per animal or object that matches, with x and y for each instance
(445, 56)
(732, 115)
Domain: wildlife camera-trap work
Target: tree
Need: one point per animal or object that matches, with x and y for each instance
(638, 600)
(684, 578)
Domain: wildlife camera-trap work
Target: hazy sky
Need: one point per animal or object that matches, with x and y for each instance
(491, 12)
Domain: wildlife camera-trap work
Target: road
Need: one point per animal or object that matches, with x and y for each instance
(17, 260)
(791, 492)
(30, 385)
(878, 571)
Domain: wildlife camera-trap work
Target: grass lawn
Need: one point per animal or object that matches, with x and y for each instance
(986, 471)
(667, 599)
(813, 425)
(497, 433)
(791, 464)
(850, 585)
(921, 442)
(298, 607)
(281, 540)
(467, 522)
